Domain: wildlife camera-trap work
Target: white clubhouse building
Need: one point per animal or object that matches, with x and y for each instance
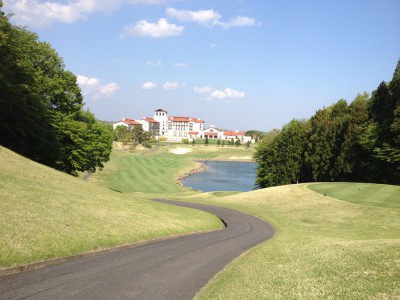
(176, 128)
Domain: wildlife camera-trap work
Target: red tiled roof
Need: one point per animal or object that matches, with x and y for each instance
(234, 133)
(150, 120)
(130, 121)
(193, 132)
(211, 133)
(185, 119)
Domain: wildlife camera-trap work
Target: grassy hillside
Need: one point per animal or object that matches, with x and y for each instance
(47, 214)
(324, 248)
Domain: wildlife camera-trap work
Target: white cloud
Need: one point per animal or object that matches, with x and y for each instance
(204, 17)
(238, 21)
(149, 2)
(84, 81)
(213, 45)
(180, 65)
(153, 63)
(209, 18)
(227, 93)
(149, 85)
(91, 86)
(108, 89)
(202, 90)
(223, 95)
(172, 85)
(42, 14)
(161, 29)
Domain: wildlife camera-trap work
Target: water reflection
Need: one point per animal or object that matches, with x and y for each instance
(224, 176)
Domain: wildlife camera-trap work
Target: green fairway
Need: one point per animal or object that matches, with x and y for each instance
(47, 214)
(361, 193)
(155, 172)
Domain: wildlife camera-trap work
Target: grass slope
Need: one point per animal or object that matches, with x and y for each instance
(47, 214)
(380, 195)
(323, 249)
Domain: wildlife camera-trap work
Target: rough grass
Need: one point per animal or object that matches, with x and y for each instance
(47, 214)
(323, 249)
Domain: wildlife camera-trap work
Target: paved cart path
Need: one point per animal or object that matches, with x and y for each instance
(165, 269)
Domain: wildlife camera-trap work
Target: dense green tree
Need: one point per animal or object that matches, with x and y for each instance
(85, 143)
(41, 113)
(356, 142)
(385, 118)
(121, 134)
(140, 136)
(23, 114)
(281, 155)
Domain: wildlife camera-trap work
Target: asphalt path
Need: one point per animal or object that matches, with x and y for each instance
(164, 269)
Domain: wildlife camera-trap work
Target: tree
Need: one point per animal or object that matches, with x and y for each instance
(206, 141)
(122, 134)
(219, 142)
(41, 114)
(139, 136)
(385, 115)
(256, 134)
(281, 155)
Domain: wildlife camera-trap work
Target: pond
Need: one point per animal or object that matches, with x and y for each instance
(224, 176)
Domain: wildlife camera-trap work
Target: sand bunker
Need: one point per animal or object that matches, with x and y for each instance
(241, 157)
(180, 150)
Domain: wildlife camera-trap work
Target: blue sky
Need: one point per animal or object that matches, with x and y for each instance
(236, 64)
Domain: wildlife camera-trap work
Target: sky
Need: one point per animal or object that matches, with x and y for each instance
(236, 64)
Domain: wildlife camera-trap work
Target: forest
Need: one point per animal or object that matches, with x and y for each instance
(356, 142)
(42, 115)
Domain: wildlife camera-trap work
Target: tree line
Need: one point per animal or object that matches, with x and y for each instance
(356, 142)
(41, 115)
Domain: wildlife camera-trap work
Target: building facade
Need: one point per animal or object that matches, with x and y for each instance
(183, 127)
(151, 125)
(177, 128)
(128, 123)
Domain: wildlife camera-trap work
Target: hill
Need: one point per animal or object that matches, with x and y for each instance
(323, 248)
(47, 214)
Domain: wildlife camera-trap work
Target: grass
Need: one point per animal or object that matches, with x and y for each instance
(341, 242)
(380, 195)
(323, 249)
(155, 173)
(47, 214)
